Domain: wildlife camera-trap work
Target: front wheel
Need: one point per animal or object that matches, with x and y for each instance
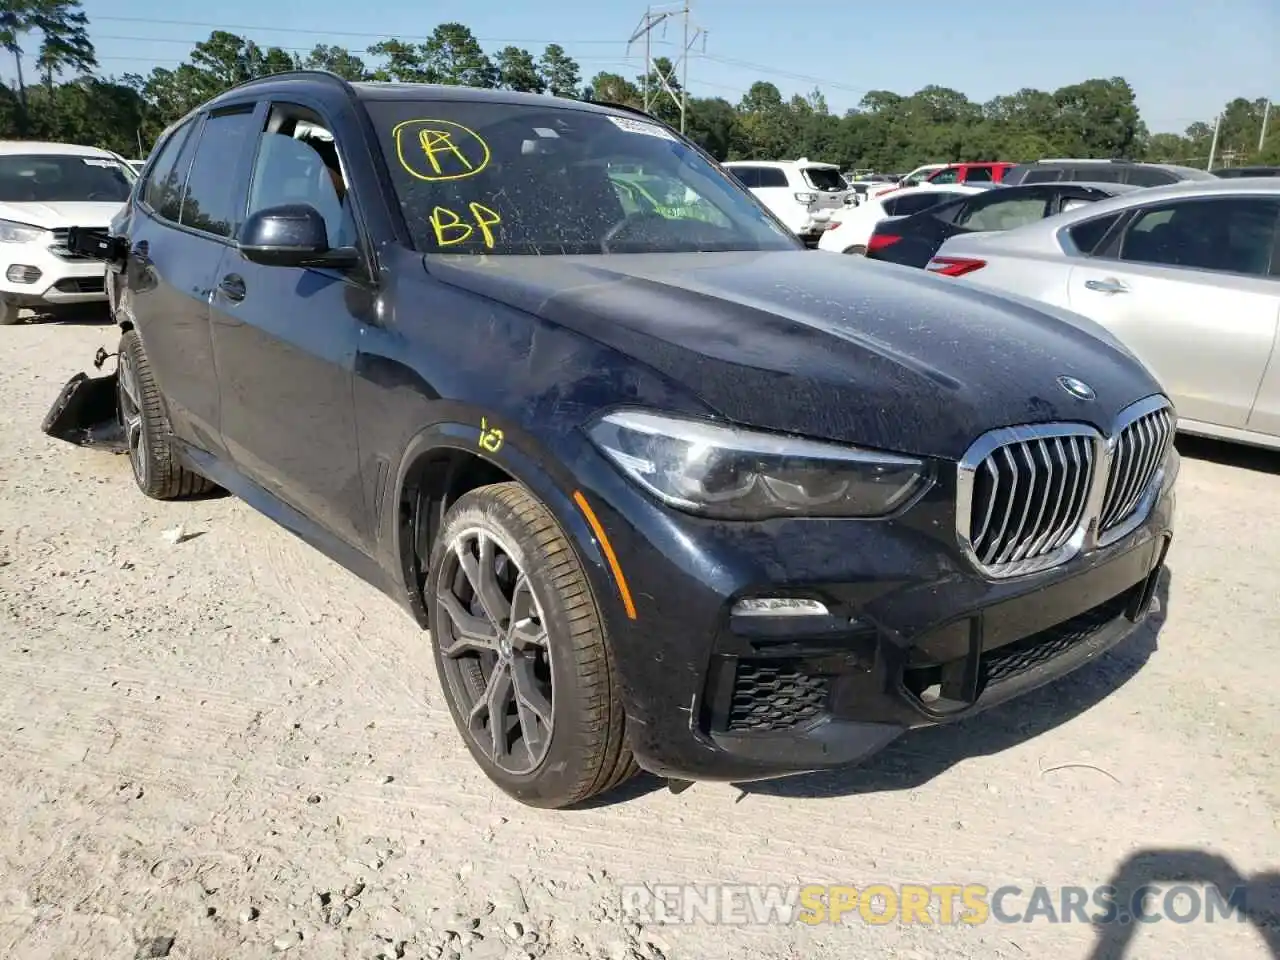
(521, 651)
(156, 467)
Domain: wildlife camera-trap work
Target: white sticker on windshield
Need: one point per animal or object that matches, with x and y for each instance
(94, 162)
(546, 132)
(640, 126)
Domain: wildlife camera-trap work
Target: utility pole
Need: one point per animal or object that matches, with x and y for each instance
(1213, 149)
(1266, 116)
(652, 17)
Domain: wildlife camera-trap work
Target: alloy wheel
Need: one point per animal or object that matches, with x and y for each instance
(130, 401)
(494, 646)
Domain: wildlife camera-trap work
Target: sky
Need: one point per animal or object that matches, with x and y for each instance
(1184, 58)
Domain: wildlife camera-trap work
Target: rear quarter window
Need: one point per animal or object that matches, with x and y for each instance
(1087, 235)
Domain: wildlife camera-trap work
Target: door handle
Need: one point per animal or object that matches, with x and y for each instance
(1109, 285)
(232, 287)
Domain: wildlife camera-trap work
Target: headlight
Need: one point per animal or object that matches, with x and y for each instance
(734, 474)
(11, 232)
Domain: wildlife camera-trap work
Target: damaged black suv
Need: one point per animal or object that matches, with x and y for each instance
(670, 491)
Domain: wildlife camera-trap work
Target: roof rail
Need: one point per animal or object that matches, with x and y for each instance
(268, 77)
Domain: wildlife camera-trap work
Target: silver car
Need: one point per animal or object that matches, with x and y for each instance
(1186, 276)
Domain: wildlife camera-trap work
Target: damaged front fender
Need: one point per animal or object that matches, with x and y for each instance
(87, 413)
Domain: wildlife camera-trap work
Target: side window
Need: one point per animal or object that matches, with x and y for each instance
(946, 176)
(978, 175)
(1230, 234)
(297, 162)
(1149, 177)
(773, 177)
(1043, 175)
(163, 190)
(747, 176)
(1099, 173)
(1002, 214)
(212, 191)
(910, 203)
(1087, 235)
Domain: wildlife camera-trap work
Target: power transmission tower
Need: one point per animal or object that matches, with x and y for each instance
(660, 15)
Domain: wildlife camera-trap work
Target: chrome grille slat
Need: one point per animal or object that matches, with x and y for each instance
(1081, 474)
(1029, 544)
(1139, 450)
(1036, 489)
(1061, 505)
(1031, 497)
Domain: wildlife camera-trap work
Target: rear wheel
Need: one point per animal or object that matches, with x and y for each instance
(521, 651)
(156, 467)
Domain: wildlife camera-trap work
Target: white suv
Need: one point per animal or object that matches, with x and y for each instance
(45, 188)
(801, 193)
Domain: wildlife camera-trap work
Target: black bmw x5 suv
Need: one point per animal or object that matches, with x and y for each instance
(670, 491)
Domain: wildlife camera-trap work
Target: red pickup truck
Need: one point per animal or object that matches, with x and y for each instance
(992, 172)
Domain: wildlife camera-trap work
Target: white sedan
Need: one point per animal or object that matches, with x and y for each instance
(1187, 276)
(853, 226)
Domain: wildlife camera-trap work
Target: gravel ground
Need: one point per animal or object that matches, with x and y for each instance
(228, 747)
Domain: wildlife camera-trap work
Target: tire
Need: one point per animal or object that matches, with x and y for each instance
(8, 313)
(156, 468)
(585, 752)
(857, 249)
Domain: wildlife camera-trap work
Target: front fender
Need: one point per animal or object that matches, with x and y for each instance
(521, 457)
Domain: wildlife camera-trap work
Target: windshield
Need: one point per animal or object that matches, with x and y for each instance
(63, 179)
(501, 178)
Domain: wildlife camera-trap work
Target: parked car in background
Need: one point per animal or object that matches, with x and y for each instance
(1188, 276)
(1103, 171)
(801, 193)
(136, 165)
(46, 188)
(986, 172)
(920, 174)
(1230, 172)
(912, 241)
(668, 492)
(851, 228)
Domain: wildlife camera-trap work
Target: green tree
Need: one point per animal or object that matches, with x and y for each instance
(453, 55)
(64, 38)
(403, 62)
(516, 70)
(559, 72)
(337, 60)
(612, 88)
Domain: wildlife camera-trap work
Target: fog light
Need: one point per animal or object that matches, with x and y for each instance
(778, 607)
(21, 273)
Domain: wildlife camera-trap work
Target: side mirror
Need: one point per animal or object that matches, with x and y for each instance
(292, 235)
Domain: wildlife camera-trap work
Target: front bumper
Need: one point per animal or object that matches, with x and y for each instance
(914, 636)
(43, 274)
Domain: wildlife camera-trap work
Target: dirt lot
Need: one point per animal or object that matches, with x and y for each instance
(231, 742)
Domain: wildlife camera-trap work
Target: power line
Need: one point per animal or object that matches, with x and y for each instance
(228, 28)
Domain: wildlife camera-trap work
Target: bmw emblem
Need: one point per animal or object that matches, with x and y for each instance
(1077, 388)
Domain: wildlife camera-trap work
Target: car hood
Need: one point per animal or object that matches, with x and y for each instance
(835, 348)
(51, 216)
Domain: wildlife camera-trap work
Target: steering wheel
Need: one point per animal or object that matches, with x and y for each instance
(626, 223)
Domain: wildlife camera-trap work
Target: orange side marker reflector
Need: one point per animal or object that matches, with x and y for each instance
(609, 555)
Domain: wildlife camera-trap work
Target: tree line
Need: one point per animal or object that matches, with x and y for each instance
(66, 99)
